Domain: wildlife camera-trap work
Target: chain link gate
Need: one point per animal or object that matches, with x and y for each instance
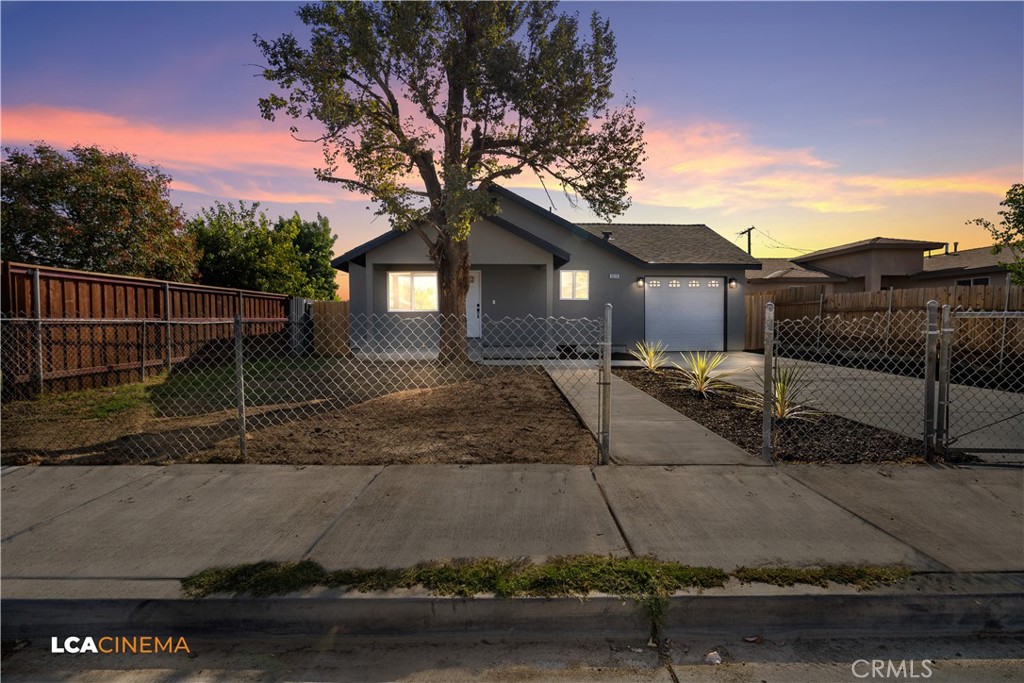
(981, 382)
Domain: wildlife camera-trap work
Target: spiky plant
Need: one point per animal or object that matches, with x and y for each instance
(788, 383)
(699, 373)
(651, 355)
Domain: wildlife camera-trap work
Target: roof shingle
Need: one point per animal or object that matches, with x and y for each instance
(675, 244)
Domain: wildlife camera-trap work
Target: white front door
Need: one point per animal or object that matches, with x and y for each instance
(473, 302)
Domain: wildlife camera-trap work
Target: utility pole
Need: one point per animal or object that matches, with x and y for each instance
(747, 233)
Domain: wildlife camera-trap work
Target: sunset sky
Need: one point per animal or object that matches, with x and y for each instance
(818, 123)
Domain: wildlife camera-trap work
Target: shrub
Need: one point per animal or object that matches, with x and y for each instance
(651, 355)
(699, 374)
(788, 384)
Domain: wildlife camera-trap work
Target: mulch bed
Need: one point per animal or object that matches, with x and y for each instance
(827, 439)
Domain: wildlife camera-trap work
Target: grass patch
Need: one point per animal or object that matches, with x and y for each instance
(106, 402)
(862, 576)
(644, 579)
(633, 577)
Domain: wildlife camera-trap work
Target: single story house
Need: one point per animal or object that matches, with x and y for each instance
(679, 284)
(879, 263)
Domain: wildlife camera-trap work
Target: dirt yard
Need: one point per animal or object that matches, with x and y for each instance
(509, 417)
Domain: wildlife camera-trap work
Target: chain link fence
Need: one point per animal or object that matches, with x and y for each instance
(896, 382)
(981, 381)
(364, 389)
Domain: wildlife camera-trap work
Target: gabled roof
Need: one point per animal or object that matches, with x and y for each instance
(659, 243)
(783, 269)
(980, 259)
(865, 245)
(358, 254)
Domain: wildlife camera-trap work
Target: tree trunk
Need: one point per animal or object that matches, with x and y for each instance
(452, 259)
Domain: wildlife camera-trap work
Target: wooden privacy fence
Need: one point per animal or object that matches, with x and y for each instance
(66, 329)
(813, 301)
(330, 328)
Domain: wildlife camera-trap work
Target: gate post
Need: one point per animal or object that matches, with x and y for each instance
(930, 360)
(605, 388)
(945, 349)
(769, 378)
(37, 313)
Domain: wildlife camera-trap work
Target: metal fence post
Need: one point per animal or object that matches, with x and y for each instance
(945, 344)
(929, 378)
(1006, 320)
(142, 351)
(240, 381)
(167, 325)
(605, 388)
(769, 391)
(37, 313)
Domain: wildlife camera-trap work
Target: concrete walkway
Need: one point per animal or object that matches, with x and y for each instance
(102, 532)
(645, 431)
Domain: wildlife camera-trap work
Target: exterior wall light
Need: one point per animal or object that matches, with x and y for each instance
(733, 283)
(639, 282)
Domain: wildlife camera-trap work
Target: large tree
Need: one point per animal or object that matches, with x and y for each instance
(1008, 235)
(240, 247)
(431, 102)
(92, 210)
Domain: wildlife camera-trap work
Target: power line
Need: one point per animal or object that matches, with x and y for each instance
(782, 245)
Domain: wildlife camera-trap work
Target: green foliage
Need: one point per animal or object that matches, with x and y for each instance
(424, 104)
(788, 383)
(652, 356)
(861, 576)
(633, 577)
(92, 210)
(699, 373)
(241, 248)
(1009, 234)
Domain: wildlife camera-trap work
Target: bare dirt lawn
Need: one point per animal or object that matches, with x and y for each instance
(508, 417)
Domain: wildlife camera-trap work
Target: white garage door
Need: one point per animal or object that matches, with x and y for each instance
(686, 313)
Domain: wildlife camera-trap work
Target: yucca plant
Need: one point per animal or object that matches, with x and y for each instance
(788, 383)
(651, 355)
(699, 373)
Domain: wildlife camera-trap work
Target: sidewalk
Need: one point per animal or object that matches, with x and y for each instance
(85, 544)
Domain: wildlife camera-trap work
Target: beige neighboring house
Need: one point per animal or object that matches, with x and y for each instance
(879, 263)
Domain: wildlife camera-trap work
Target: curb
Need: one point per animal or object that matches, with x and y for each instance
(938, 604)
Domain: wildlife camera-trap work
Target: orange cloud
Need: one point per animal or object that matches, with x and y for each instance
(707, 165)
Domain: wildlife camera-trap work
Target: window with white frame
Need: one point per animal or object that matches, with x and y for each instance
(674, 284)
(693, 283)
(714, 283)
(412, 292)
(654, 283)
(574, 284)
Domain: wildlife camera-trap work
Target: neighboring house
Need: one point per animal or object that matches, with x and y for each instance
(680, 284)
(962, 268)
(879, 263)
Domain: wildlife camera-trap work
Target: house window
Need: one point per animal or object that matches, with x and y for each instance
(714, 283)
(412, 292)
(972, 281)
(674, 283)
(693, 283)
(654, 283)
(574, 284)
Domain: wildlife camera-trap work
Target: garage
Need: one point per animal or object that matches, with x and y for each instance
(686, 313)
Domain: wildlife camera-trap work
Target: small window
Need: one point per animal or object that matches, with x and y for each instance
(654, 283)
(714, 283)
(674, 283)
(693, 283)
(574, 285)
(412, 292)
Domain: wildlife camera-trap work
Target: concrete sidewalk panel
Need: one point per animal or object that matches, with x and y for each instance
(35, 495)
(730, 516)
(971, 520)
(188, 518)
(681, 442)
(417, 513)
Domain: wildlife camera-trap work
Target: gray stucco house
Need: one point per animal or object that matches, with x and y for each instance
(680, 284)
